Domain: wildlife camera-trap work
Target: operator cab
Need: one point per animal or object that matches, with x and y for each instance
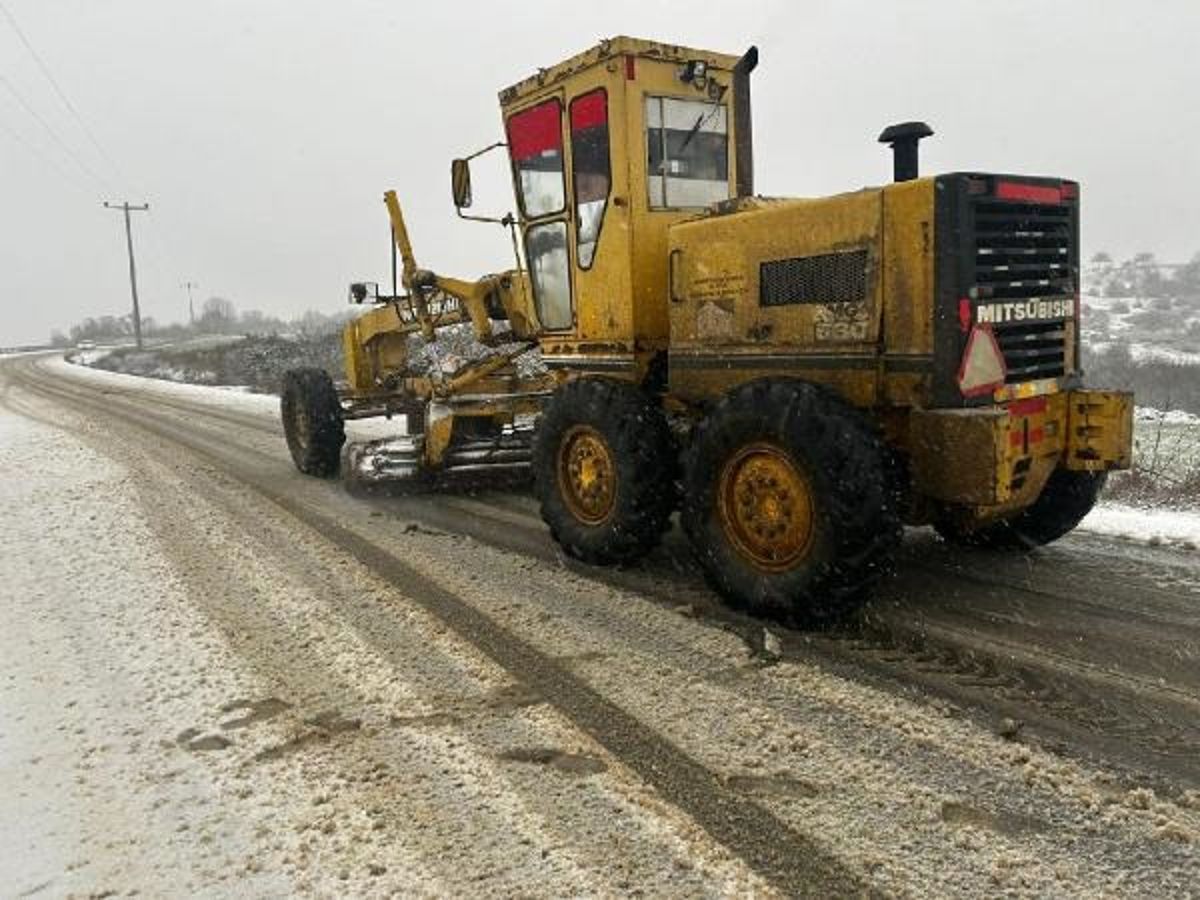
(607, 150)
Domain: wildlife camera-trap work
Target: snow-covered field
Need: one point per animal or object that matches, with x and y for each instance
(1166, 454)
(1154, 328)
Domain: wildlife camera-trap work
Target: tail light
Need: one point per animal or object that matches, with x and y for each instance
(982, 369)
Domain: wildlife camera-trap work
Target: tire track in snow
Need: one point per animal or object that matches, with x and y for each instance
(787, 859)
(917, 633)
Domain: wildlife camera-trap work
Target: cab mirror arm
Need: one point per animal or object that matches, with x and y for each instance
(460, 187)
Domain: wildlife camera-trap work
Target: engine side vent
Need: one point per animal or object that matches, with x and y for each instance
(825, 278)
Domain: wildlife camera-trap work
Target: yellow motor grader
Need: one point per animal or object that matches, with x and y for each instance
(799, 377)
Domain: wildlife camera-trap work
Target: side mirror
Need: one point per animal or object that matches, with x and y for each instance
(460, 183)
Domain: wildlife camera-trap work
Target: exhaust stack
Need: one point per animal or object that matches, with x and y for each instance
(904, 138)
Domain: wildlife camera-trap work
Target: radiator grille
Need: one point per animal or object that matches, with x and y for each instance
(1032, 350)
(1025, 251)
(826, 278)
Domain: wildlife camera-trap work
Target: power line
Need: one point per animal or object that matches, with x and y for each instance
(156, 251)
(53, 134)
(66, 101)
(153, 244)
(43, 158)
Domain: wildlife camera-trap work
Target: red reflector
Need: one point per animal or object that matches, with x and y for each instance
(1031, 193)
(1070, 190)
(964, 315)
(1030, 407)
(982, 369)
(630, 68)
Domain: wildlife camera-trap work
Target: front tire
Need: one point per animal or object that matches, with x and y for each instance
(312, 421)
(605, 466)
(1063, 503)
(787, 501)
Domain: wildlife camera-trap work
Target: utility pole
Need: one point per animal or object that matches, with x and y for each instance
(191, 306)
(137, 315)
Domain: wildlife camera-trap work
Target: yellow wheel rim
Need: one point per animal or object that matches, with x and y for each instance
(587, 475)
(766, 507)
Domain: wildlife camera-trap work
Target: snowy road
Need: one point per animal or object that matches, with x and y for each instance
(223, 677)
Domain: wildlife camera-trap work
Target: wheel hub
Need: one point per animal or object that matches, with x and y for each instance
(587, 474)
(766, 508)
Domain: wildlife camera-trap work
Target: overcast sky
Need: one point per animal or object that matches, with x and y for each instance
(263, 132)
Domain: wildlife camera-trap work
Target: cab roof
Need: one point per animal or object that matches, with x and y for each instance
(605, 50)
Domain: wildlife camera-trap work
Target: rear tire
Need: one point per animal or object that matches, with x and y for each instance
(787, 501)
(605, 467)
(312, 421)
(1063, 503)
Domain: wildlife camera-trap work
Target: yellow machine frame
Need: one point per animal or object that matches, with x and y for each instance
(671, 302)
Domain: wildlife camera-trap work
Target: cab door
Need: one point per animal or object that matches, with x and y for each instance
(601, 228)
(535, 145)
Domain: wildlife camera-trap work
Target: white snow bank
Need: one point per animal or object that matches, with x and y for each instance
(1166, 417)
(193, 393)
(13, 354)
(1177, 528)
(88, 357)
(264, 406)
(1145, 352)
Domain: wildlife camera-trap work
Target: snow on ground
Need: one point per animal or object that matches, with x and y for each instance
(1165, 417)
(93, 799)
(13, 354)
(192, 706)
(175, 647)
(89, 357)
(1143, 352)
(265, 406)
(1156, 329)
(262, 404)
(1176, 528)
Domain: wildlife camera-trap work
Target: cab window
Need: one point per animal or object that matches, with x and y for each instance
(688, 146)
(590, 170)
(546, 249)
(536, 147)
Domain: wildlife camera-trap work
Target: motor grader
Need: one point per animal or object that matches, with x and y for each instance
(798, 377)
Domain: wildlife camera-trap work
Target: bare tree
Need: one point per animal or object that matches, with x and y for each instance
(218, 315)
